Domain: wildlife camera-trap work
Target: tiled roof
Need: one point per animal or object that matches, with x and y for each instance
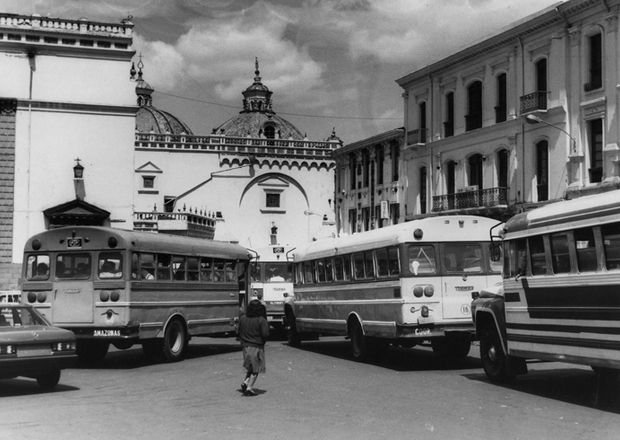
(251, 123)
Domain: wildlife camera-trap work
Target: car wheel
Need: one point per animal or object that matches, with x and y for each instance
(49, 379)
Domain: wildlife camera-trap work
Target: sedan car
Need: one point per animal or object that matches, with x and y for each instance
(31, 347)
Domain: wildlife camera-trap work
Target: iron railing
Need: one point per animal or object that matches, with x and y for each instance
(480, 198)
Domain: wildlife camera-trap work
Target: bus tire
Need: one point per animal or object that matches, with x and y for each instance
(359, 342)
(92, 351)
(494, 360)
(49, 379)
(175, 341)
(292, 337)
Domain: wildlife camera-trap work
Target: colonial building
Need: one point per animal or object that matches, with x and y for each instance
(521, 118)
(65, 95)
(370, 183)
(82, 143)
(256, 175)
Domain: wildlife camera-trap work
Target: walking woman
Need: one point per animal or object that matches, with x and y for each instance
(253, 333)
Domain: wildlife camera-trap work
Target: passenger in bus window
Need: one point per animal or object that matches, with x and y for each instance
(42, 271)
(253, 333)
(108, 270)
(146, 274)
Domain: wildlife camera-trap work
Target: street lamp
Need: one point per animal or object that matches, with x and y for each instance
(78, 170)
(534, 119)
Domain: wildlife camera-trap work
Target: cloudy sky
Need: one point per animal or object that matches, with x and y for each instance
(330, 63)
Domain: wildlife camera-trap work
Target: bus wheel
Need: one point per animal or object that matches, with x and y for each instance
(292, 337)
(494, 361)
(175, 340)
(49, 379)
(359, 342)
(92, 351)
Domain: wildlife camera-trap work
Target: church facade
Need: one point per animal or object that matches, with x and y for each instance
(82, 143)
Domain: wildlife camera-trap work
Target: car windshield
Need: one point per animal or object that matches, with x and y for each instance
(19, 316)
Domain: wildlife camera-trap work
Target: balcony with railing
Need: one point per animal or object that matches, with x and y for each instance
(533, 102)
(237, 145)
(189, 223)
(479, 198)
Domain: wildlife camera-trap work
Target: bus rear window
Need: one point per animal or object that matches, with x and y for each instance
(38, 267)
(110, 265)
(73, 266)
(462, 257)
(275, 272)
(421, 259)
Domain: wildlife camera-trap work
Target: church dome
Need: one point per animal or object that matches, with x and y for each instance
(257, 119)
(150, 119)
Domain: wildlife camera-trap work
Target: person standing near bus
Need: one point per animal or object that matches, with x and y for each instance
(253, 333)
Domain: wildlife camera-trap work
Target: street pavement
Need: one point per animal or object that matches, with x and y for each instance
(313, 392)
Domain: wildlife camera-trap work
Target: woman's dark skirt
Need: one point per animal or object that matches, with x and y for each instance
(254, 359)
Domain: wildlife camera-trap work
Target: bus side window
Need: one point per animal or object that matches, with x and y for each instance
(358, 266)
(559, 253)
(515, 258)
(382, 262)
(611, 244)
(163, 267)
(537, 255)
(320, 271)
(308, 272)
(219, 270)
(178, 268)
(206, 269)
(338, 269)
(147, 267)
(329, 274)
(346, 267)
(393, 264)
(231, 272)
(192, 269)
(586, 250)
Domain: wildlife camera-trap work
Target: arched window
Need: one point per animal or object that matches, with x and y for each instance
(270, 131)
(542, 170)
(473, 119)
(595, 62)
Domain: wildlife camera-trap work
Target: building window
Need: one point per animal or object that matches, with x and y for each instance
(595, 138)
(502, 168)
(473, 119)
(541, 75)
(380, 158)
(148, 182)
(448, 125)
(394, 213)
(270, 132)
(352, 220)
(423, 190)
(352, 166)
(422, 122)
(501, 108)
(542, 170)
(366, 168)
(475, 170)
(451, 183)
(595, 63)
(395, 153)
(272, 200)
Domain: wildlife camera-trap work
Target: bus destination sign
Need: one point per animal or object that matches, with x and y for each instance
(74, 242)
(278, 250)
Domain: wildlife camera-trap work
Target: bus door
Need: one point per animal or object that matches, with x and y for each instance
(73, 295)
(464, 273)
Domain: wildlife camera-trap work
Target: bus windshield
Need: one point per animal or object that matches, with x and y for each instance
(273, 272)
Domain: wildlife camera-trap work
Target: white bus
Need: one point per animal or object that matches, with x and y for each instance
(271, 277)
(404, 284)
(113, 286)
(560, 298)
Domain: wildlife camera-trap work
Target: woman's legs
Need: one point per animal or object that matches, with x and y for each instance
(250, 384)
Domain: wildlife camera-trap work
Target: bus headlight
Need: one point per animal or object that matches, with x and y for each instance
(32, 297)
(418, 291)
(115, 295)
(41, 297)
(104, 295)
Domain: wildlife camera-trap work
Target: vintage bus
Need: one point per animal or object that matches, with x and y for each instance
(271, 278)
(560, 296)
(405, 284)
(120, 287)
